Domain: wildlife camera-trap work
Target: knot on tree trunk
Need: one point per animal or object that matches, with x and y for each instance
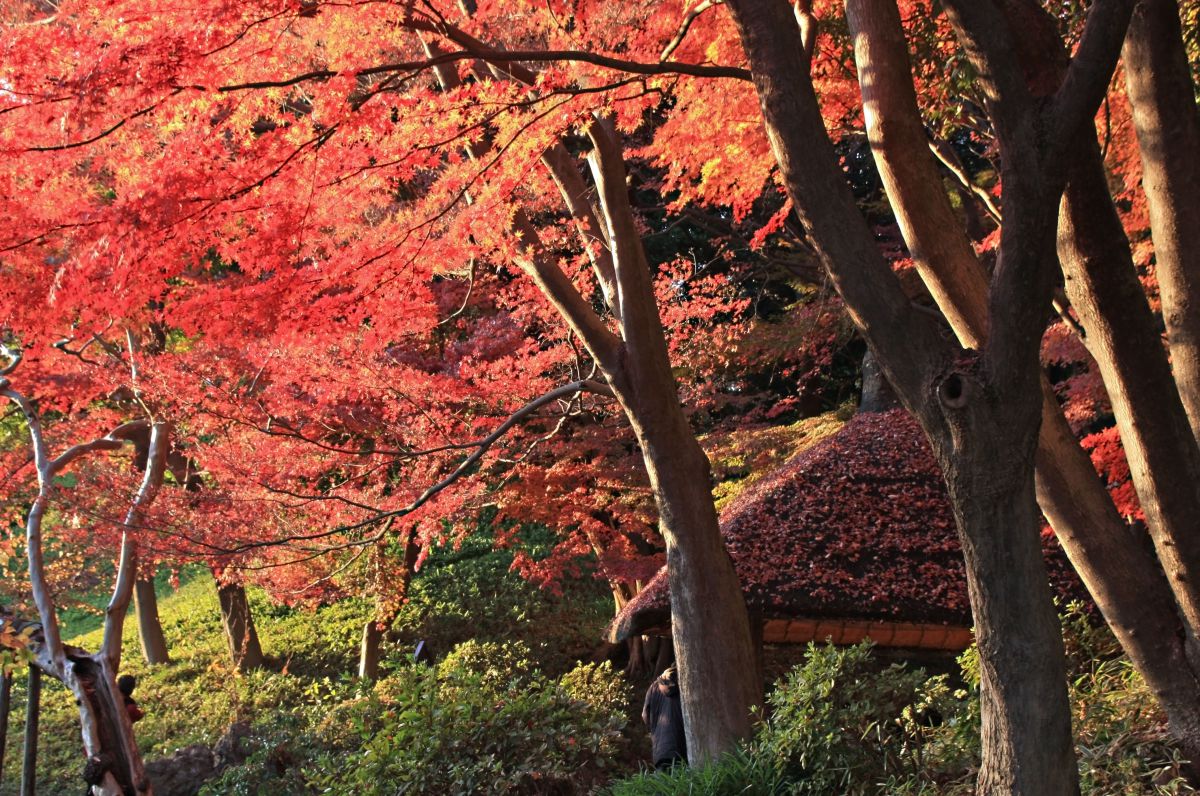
(960, 383)
(954, 391)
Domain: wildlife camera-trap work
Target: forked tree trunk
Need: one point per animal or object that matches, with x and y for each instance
(150, 632)
(981, 415)
(238, 622)
(718, 685)
(1119, 571)
(1160, 88)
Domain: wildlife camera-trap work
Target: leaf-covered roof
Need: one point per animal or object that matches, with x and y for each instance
(856, 527)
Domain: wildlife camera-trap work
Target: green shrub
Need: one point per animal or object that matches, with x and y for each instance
(598, 685)
(491, 664)
(841, 725)
(483, 721)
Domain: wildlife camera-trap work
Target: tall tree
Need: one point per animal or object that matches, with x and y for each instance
(1124, 579)
(981, 411)
(1159, 81)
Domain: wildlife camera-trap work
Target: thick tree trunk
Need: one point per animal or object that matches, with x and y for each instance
(1026, 731)
(368, 651)
(1164, 115)
(1164, 459)
(150, 632)
(1118, 568)
(709, 623)
(981, 416)
(1119, 571)
(244, 648)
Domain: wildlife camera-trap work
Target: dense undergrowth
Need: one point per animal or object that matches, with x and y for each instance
(508, 708)
(841, 723)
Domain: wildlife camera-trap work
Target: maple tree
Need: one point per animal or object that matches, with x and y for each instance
(362, 243)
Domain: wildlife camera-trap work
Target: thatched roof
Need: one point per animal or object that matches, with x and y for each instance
(858, 528)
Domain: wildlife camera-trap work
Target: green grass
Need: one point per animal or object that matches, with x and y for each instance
(461, 594)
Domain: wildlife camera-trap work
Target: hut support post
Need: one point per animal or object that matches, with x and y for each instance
(756, 637)
(32, 709)
(666, 656)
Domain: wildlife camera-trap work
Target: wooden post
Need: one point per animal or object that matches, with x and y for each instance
(5, 706)
(32, 708)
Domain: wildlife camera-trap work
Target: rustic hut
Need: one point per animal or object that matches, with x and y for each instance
(853, 538)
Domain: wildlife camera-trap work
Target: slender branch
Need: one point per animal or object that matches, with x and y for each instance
(949, 158)
(685, 26)
(596, 243)
(546, 274)
(476, 51)
(103, 133)
(114, 614)
(481, 446)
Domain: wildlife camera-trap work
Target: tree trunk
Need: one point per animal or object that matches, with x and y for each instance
(981, 415)
(1118, 570)
(368, 651)
(708, 611)
(1160, 88)
(244, 648)
(150, 632)
(1164, 460)
(5, 708)
(1026, 728)
(638, 665)
(33, 708)
(709, 623)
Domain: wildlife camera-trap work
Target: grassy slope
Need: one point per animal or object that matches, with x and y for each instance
(461, 594)
(196, 697)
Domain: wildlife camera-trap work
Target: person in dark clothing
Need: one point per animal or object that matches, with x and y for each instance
(125, 684)
(663, 714)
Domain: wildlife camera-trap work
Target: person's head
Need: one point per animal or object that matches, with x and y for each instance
(126, 683)
(670, 674)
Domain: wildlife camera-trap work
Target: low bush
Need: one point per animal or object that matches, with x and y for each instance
(840, 724)
(485, 720)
